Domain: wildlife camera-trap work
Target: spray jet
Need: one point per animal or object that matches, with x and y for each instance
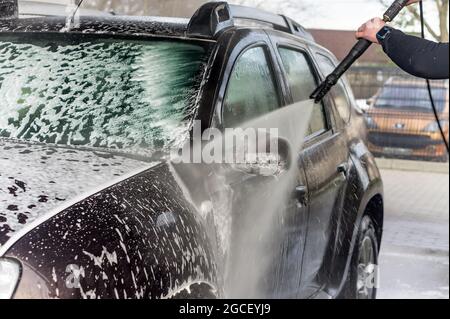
(355, 53)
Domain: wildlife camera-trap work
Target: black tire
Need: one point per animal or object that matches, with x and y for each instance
(363, 276)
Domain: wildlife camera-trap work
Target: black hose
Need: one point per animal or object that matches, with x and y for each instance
(355, 53)
(430, 93)
(76, 10)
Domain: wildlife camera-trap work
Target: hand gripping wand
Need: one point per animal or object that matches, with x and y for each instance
(360, 47)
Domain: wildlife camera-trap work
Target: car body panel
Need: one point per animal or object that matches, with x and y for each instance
(321, 156)
(291, 222)
(48, 176)
(326, 188)
(136, 239)
(111, 25)
(363, 183)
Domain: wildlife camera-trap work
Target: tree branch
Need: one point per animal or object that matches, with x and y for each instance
(427, 25)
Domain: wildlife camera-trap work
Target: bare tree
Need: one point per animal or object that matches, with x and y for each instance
(185, 8)
(412, 15)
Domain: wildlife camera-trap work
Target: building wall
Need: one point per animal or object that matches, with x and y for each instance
(340, 42)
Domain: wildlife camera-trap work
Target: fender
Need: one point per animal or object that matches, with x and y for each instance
(139, 238)
(365, 183)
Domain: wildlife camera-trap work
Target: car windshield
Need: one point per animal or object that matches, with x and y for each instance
(404, 97)
(133, 96)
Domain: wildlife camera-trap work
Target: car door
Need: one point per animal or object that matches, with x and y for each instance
(327, 163)
(319, 197)
(253, 88)
(325, 160)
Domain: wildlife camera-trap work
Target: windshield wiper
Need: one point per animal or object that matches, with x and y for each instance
(155, 156)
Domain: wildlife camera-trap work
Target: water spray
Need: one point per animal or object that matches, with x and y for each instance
(246, 222)
(71, 17)
(355, 53)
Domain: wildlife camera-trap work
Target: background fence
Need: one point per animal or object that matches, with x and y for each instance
(398, 113)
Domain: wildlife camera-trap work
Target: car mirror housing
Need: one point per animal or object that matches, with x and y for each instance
(270, 163)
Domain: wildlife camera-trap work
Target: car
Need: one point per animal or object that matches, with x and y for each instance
(91, 206)
(401, 121)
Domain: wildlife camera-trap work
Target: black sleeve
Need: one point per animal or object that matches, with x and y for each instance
(419, 57)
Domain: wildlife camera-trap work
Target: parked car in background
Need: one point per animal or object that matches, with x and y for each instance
(401, 122)
(90, 206)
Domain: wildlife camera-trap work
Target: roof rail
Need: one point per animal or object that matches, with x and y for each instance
(246, 13)
(210, 19)
(214, 17)
(298, 29)
(9, 9)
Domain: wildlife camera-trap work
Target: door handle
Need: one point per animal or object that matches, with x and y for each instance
(343, 169)
(301, 195)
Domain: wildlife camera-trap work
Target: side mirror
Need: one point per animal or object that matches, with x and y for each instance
(272, 162)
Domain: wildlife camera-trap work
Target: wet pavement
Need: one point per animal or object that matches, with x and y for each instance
(414, 256)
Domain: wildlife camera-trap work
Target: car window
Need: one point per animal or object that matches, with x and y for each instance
(91, 91)
(339, 92)
(302, 83)
(251, 90)
(410, 96)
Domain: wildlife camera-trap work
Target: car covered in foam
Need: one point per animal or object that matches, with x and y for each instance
(91, 206)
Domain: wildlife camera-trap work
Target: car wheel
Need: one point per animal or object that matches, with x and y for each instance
(363, 275)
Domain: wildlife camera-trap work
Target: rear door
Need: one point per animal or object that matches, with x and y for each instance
(327, 164)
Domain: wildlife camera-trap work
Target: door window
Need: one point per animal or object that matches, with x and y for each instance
(252, 90)
(302, 83)
(339, 93)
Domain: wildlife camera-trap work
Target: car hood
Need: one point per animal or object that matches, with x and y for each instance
(38, 179)
(402, 113)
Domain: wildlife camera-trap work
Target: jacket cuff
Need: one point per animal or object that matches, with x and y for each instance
(390, 39)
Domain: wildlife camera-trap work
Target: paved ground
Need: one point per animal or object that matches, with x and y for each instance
(415, 253)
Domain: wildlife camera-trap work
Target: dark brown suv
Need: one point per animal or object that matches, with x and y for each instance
(90, 207)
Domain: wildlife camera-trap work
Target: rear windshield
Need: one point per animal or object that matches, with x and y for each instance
(131, 95)
(411, 98)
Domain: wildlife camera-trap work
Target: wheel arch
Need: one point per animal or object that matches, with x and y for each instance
(375, 209)
(368, 199)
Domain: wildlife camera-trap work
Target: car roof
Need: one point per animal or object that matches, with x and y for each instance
(207, 23)
(109, 25)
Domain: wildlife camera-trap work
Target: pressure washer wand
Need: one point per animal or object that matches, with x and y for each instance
(360, 47)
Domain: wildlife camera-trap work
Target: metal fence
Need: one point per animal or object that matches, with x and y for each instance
(399, 115)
